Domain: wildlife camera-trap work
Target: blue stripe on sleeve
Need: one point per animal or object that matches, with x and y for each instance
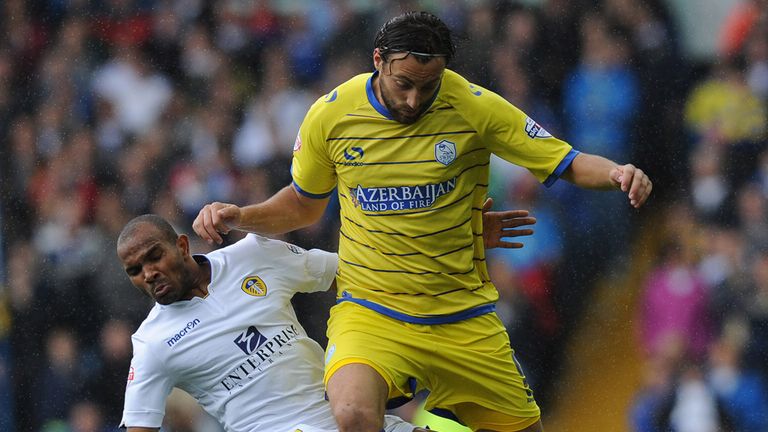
(561, 167)
(311, 195)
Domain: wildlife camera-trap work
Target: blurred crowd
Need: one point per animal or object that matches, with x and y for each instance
(110, 109)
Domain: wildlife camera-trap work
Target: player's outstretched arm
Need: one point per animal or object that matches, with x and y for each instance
(596, 172)
(498, 225)
(141, 429)
(285, 211)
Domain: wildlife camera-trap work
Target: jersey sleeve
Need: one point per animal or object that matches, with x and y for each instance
(146, 389)
(321, 267)
(312, 169)
(509, 133)
(311, 270)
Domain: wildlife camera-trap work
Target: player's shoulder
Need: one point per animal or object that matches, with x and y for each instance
(157, 319)
(342, 100)
(279, 252)
(244, 249)
(451, 77)
(473, 100)
(255, 251)
(166, 325)
(455, 88)
(267, 245)
(456, 85)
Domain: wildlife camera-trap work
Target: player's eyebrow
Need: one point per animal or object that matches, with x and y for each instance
(427, 84)
(132, 269)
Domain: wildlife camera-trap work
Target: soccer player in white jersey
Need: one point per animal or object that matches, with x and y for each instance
(223, 328)
(406, 149)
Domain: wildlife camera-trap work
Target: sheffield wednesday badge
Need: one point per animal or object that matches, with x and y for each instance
(445, 152)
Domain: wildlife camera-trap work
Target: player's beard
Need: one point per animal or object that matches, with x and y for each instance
(402, 116)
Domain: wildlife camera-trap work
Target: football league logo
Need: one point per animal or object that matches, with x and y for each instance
(445, 152)
(254, 286)
(534, 130)
(297, 143)
(295, 249)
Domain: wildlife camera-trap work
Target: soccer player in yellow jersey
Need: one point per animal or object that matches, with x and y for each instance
(407, 150)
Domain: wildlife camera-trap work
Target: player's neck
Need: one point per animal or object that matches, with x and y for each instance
(201, 277)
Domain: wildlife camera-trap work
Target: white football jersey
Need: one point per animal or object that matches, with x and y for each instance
(240, 351)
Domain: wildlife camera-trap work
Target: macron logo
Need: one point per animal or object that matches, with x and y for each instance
(183, 332)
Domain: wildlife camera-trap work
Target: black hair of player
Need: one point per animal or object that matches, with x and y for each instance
(167, 233)
(421, 34)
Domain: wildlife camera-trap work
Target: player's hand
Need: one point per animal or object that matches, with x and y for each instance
(216, 219)
(634, 181)
(503, 224)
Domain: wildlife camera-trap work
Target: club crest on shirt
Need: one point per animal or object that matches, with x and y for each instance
(534, 130)
(131, 374)
(254, 286)
(445, 152)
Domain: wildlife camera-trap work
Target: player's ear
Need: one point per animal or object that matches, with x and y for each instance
(378, 60)
(182, 242)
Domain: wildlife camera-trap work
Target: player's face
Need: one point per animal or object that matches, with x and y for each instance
(155, 266)
(406, 85)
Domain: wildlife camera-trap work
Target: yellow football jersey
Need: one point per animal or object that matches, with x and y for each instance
(411, 194)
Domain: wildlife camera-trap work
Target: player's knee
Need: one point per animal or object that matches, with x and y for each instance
(351, 418)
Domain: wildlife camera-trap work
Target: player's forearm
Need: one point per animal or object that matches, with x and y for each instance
(285, 211)
(591, 172)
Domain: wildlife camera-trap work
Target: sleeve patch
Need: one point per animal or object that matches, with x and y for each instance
(534, 130)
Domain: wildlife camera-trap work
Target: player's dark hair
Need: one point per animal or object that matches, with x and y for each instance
(167, 233)
(416, 32)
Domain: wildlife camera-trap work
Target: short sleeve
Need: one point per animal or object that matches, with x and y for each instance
(321, 266)
(146, 389)
(312, 170)
(508, 132)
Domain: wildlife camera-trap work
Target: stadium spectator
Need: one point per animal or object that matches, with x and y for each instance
(675, 305)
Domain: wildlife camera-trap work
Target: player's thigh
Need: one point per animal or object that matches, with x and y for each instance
(478, 380)
(357, 335)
